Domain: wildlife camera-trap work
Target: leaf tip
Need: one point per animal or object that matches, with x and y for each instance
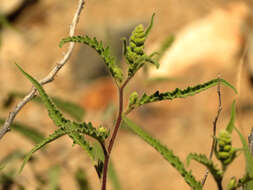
(228, 84)
(61, 43)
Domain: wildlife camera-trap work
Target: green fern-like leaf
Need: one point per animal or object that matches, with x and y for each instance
(232, 184)
(133, 99)
(249, 161)
(165, 46)
(58, 118)
(69, 107)
(105, 53)
(81, 179)
(54, 178)
(10, 158)
(58, 133)
(165, 152)
(231, 124)
(73, 129)
(246, 181)
(177, 93)
(150, 25)
(224, 151)
(54, 114)
(201, 158)
(73, 109)
(72, 132)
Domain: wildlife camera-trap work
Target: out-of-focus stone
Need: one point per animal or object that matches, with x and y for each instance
(9, 6)
(216, 39)
(99, 95)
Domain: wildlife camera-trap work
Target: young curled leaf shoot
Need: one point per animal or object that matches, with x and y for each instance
(73, 129)
(224, 151)
(177, 93)
(133, 99)
(134, 52)
(105, 53)
(232, 184)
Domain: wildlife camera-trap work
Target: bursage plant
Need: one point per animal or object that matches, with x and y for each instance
(136, 58)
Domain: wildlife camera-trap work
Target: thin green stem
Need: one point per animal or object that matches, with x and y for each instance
(115, 132)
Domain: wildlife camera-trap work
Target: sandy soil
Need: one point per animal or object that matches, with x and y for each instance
(183, 125)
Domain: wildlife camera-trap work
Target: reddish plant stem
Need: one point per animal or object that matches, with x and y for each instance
(214, 133)
(115, 132)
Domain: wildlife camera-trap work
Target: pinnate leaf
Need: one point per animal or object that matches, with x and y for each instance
(69, 107)
(81, 179)
(58, 118)
(201, 158)
(248, 159)
(105, 53)
(73, 129)
(177, 93)
(54, 178)
(58, 133)
(150, 25)
(165, 152)
(166, 44)
(231, 124)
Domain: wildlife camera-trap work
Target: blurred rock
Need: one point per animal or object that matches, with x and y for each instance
(9, 6)
(217, 39)
(99, 95)
(249, 57)
(11, 9)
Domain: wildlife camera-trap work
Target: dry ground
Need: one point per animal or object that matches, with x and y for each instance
(183, 125)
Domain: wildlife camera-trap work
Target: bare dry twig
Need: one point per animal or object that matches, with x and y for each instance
(49, 78)
(214, 131)
(250, 140)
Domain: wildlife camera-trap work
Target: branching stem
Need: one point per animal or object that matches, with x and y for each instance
(49, 78)
(214, 132)
(115, 132)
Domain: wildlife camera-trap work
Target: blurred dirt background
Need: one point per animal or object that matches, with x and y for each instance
(211, 38)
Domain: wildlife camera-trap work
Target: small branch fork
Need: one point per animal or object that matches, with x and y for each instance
(49, 78)
(214, 132)
(115, 131)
